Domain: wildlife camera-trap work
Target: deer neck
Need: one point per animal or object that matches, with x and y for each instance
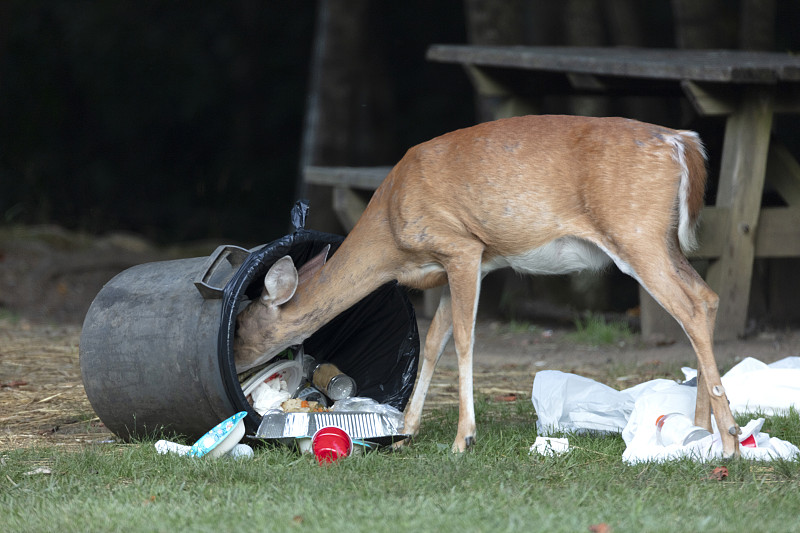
(352, 273)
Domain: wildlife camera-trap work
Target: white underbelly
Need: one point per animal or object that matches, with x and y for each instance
(562, 256)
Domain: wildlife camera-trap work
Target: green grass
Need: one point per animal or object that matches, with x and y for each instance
(594, 330)
(496, 487)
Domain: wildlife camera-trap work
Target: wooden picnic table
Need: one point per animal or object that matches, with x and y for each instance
(746, 88)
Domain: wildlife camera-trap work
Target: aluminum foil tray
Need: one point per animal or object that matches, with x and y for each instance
(372, 427)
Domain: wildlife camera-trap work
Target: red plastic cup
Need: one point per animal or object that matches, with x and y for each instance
(749, 442)
(331, 443)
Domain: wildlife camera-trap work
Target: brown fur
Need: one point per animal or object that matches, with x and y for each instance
(540, 193)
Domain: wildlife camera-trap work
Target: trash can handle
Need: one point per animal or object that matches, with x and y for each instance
(235, 256)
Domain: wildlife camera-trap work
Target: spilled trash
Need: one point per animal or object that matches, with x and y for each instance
(656, 418)
(222, 439)
(330, 444)
(333, 425)
(296, 421)
(550, 446)
(171, 368)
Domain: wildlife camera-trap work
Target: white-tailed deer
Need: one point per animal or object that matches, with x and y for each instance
(541, 194)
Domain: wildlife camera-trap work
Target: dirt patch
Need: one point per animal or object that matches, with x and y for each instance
(42, 400)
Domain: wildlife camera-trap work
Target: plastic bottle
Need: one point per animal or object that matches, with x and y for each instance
(675, 428)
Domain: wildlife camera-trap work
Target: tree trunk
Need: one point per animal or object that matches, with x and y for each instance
(349, 102)
(583, 21)
(704, 24)
(624, 22)
(757, 24)
(499, 22)
(496, 22)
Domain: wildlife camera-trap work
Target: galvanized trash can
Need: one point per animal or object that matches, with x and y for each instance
(156, 349)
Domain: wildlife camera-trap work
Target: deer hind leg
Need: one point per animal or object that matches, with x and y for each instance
(702, 409)
(672, 281)
(439, 333)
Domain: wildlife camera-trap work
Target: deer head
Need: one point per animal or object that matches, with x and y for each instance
(262, 329)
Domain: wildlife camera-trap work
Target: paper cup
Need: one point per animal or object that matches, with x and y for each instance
(331, 443)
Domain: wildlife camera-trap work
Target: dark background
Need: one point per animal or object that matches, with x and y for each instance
(185, 123)
(184, 120)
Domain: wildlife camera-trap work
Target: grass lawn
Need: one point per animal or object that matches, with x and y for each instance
(496, 487)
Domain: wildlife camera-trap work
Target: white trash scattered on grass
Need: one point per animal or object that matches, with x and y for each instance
(549, 446)
(221, 440)
(570, 403)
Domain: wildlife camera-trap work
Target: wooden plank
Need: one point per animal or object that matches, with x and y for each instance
(657, 63)
(717, 99)
(348, 206)
(658, 326)
(777, 233)
(744, 161)
(783, 172)
(367, 178)
(485, 84)
(711, 233)
(710, 102)
(496, 99)
(586, 82)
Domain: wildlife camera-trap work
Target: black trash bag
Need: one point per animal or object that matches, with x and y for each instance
(376, 341)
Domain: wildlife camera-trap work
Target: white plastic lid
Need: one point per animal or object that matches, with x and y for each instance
(290, 371)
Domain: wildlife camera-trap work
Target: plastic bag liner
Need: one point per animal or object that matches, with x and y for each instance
(376, 341)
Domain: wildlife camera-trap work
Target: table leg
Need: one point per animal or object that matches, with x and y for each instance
(741, 183)
(495, 100)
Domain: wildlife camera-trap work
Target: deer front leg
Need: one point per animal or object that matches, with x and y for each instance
(438, 334)
(464, 279)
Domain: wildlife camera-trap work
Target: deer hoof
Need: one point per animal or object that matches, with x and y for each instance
(400, 444)
(730, 456)
(463, 445)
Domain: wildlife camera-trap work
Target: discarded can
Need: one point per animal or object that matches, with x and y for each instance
(335, 384)
(675, 428)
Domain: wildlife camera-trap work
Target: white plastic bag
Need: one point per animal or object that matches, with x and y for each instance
(567, 402)
(571, 403)
(392, 416)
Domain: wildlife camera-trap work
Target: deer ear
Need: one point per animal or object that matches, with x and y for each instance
(313, 265)
(280, 282)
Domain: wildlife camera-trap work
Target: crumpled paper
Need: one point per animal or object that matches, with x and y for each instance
(270, 395)
(569, 403)
(549, 446)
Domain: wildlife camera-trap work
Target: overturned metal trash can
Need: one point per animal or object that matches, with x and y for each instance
(156, 349)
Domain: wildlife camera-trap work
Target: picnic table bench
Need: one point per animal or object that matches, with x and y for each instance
(746, 88)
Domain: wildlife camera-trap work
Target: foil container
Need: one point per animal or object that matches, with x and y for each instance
(370, 427)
